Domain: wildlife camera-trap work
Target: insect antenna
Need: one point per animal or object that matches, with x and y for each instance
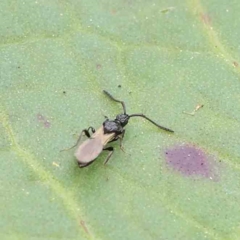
(143, 116)
(114, 99)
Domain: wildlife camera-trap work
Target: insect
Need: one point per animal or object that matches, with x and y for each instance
(110, 131)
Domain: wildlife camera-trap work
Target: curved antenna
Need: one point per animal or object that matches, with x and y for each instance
(142, 115)
(114, 99)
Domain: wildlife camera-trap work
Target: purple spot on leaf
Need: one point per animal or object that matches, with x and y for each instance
(190, 161)
(47, 124)
(43, 120)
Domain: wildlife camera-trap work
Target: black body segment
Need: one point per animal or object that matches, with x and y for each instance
(112, 126)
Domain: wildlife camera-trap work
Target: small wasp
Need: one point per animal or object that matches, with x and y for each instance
(111, 130)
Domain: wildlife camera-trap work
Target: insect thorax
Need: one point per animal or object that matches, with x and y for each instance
(112, 126)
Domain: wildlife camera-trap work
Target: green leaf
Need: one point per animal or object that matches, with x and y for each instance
(163, 58)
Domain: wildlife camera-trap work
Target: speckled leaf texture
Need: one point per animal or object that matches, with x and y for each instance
(175, 61)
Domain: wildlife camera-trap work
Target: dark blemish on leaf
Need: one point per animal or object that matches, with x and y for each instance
(119, 86)
(205, 18)
(98, 66)
(64, 92)
(83, 225)
(235, 64)
(191, 161)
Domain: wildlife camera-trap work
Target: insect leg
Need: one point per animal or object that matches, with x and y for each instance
(84, 165)
(121, 139)
(86, 132)
(111, 150)
(92, 129)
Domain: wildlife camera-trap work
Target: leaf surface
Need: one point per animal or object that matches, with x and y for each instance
(163, 58)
